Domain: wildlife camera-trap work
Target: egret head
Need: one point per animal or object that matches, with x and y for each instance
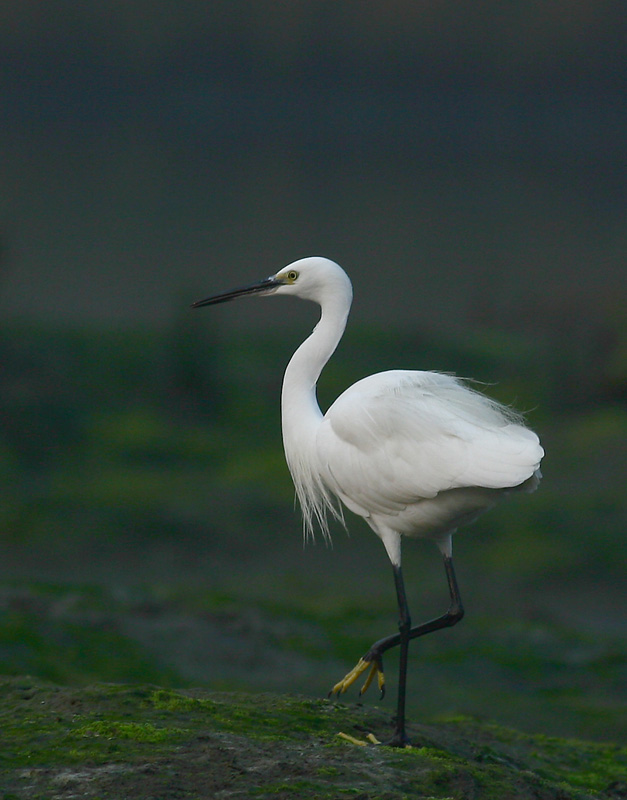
(314, 278)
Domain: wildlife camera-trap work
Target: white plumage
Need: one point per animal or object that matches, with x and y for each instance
(415, 453)
(394, 445)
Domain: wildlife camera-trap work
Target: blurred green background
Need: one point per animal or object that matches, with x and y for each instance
(465, 163)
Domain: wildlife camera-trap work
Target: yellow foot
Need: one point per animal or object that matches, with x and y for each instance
(375, 668)
(371, 739)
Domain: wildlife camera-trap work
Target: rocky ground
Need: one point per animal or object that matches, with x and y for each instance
(119, 741)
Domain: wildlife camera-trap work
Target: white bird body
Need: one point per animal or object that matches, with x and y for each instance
(414, 453)
(420, 453)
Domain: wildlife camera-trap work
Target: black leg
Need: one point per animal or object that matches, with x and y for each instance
(399, 739)
(406, 633)
(455, 610)
(373, 660)
(451, 617)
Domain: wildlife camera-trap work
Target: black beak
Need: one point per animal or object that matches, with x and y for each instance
(263, 287)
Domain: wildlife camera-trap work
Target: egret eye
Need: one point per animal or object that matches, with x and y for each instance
(292, 275)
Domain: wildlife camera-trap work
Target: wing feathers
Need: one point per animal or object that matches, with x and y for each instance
(397, 437)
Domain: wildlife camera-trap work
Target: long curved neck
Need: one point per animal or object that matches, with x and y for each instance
(300, 413)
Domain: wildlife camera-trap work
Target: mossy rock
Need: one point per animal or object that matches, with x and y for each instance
(114, 741)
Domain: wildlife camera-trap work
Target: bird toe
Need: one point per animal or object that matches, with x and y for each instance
(350, 677)
(374, 667)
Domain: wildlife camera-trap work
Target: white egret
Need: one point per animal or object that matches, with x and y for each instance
(414, 453)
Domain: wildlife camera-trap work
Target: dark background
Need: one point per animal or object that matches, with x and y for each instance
(464, 161)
